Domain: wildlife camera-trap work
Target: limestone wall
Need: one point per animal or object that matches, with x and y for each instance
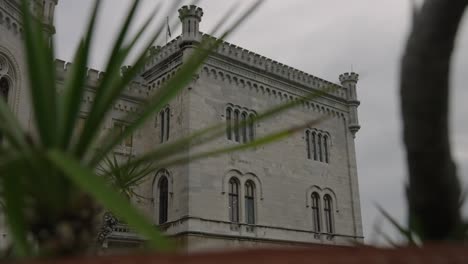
(283, 174)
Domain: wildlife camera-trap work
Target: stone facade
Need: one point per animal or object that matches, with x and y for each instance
(200, 211)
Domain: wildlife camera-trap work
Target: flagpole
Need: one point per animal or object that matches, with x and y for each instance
(167, 30)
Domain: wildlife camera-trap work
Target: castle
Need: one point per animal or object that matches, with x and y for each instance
(299, 191)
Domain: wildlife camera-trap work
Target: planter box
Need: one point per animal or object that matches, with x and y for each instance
(364, 255)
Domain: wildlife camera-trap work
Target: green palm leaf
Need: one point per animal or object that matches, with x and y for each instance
(73, 91)
(86, 180)
(39, 56)
(169, 90)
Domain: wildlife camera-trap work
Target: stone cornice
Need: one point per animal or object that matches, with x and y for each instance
(275, 68)
(163, 66)
(273, 80)
(259, 64)
(267, 86)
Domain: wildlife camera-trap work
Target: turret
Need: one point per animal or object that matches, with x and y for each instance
(48, 11)
(190, 16)
(349, 81)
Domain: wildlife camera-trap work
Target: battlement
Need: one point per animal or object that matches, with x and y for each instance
(159, 54)
(190, 11)
(254, 60)
(136, 89)
(276, 68)
(349, 77)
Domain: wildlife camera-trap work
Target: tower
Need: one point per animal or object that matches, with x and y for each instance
(349, 81)
(13, 73)
(302, 190)
(47, 13)
(190, 16)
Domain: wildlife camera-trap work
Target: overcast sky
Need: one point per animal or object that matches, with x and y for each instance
(324, 38)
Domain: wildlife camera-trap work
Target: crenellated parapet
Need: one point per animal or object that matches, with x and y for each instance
(159, 54)
(349, 77)
(191, 17)
(254, 60)
(277, 69)
(136, 90)
(191, 11)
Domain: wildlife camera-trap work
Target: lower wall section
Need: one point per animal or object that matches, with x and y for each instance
(194, 234)
(193, 242)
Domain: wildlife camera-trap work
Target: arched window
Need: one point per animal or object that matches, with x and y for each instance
(325, 147)
(163, 190)
(320, 147)
(250, 203)
(234, 200)
(314, 145)
(308, 144)
(239, 124)
(251, 128)
(168, 122)
(244, 127)
(236, 126)
(4, 89)
(328, 209)
(316, 212)
(164, 120)
(228, 123)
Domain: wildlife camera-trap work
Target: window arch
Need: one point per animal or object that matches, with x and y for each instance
(244, 127)
(163, 190)
(250, 202)
(240, 124)
(328, 210)
(318, 145)
(234, 200)
(316, 218)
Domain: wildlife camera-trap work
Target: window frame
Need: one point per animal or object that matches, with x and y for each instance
(163, 199)
(122, 125)
(328, 211)
(164, 117)
(316, 216)
(233, 203)
(234, 117)
(229, 123)
(249, 200)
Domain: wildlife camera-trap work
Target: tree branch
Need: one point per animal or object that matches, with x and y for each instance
(434, 189)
